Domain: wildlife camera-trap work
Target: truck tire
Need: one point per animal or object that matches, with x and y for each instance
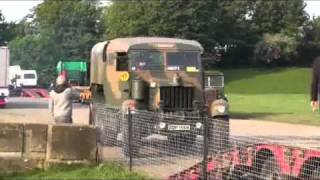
(218, 134)
(103, 117)
(135, 137)
(270, 169)
(107, 128)
(92, 114)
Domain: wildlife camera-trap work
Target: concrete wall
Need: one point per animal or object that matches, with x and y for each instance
(28, 146)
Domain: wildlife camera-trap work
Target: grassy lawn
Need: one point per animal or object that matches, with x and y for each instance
(292, 108)
(106, 171)
(280, 94)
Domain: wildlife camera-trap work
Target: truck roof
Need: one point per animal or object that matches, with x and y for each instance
(125, 44)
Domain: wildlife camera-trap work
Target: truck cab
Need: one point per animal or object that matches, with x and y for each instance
(154, 74)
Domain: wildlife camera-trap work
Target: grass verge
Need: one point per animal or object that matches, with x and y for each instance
(103, 171)
(288, 108)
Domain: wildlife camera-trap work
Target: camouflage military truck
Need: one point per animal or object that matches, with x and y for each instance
(159, 75)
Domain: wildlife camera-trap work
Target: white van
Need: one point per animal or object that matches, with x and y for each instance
(27, 78)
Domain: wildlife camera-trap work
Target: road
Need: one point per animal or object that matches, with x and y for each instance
(273, 132)
(35, 110)
(31, 110)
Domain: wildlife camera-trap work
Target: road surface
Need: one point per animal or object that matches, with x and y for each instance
(33, 110)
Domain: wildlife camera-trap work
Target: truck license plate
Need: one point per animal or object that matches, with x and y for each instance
(173, 127)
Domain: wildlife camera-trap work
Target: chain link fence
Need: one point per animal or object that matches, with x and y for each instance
(190, 145)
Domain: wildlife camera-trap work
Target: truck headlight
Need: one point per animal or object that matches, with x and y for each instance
(153, 84)
(221, 109)
(198, 125)
(162, 125)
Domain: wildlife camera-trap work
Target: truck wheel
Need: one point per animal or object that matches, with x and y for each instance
(106, 127)
(135, 139)
(92, 114)
(218, 134)
(108, 137)
(125, 147)
(270, 170)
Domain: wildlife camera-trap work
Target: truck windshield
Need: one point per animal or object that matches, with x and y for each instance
(146, 60)
(183, 61)
(29, 76)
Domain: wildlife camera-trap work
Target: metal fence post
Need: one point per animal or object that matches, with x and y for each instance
(130, 137)
(205, 145)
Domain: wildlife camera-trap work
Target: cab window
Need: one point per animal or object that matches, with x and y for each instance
(182, 60)
(122, 61)
(29, 76)
(146, 60)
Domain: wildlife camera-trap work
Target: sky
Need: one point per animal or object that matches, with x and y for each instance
(15, 10)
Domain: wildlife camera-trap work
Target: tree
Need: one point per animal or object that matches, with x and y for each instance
(278, 23)
(56, 30)
(276, 49)
(182, 19)
(237, 24)
(277, 16)
(309, 48)
(8, 31)
(74, 25)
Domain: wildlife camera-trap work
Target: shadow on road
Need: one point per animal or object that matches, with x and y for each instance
(34, 103)
(254, 115)
(26, 105)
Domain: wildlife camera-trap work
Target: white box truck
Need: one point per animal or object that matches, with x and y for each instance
(4, 65)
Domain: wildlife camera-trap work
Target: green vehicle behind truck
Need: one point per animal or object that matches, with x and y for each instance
(76, 69)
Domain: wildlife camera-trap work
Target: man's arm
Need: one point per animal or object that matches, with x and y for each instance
(314, 84)
(51, 105)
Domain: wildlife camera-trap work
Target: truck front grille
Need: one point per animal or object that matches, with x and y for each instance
(216, 81)
(175, 98)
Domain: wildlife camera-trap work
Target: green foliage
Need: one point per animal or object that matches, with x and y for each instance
(71, 24)
(278, 16)
(238, 24)
(8, 31)
(276, 47)
(182, 19)
(103, 171)
(59, 29)
(310, 46)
